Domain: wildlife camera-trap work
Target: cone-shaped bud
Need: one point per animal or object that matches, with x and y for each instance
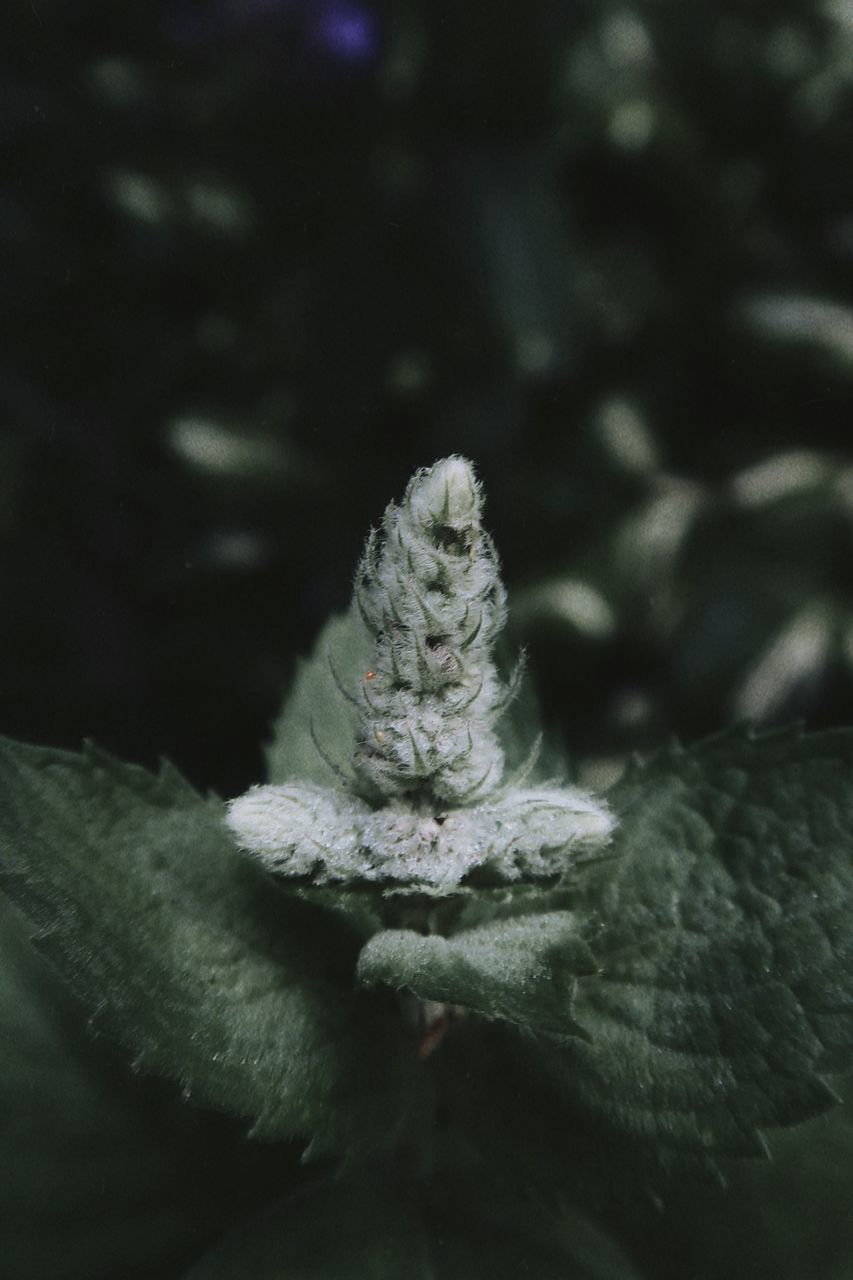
(429, 588)
(427, 806)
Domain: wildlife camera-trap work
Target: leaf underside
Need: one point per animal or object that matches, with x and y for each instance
(517, 969)
(189, 957)
(701, 985)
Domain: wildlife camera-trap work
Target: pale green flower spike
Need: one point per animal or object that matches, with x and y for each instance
(429, 590)
(427, 803)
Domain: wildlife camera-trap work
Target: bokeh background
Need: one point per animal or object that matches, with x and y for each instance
(259, 259)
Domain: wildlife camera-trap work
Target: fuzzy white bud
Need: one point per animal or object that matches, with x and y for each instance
(427, 805)
(429, 590)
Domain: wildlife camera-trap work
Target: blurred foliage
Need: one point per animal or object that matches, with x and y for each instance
(262, 258)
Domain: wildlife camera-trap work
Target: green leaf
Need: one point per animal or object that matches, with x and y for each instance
(101, 1175)
(383, 1228)
(189, 956)
(725, 943)
(697, 984)
(315, 735)
(521, 969)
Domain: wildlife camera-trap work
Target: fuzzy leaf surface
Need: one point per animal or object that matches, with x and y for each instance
(189, 957)
(697, 985)
(520, 969)
(724, 943)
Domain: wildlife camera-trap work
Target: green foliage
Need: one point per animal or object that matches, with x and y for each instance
(724, 942)
(182, 952)
(522, 969)
(702, 985)
(690, 988)
(314, 735)
(685, 985)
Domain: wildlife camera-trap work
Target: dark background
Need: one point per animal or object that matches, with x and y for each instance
(259, 259)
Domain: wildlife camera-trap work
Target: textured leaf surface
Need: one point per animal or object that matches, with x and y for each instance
(521, 969)
(725, 948)
(189, 956)
(385, 1229)
(701, 985)
(100, 1176)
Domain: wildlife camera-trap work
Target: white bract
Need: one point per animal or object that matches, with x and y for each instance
(427, 802)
